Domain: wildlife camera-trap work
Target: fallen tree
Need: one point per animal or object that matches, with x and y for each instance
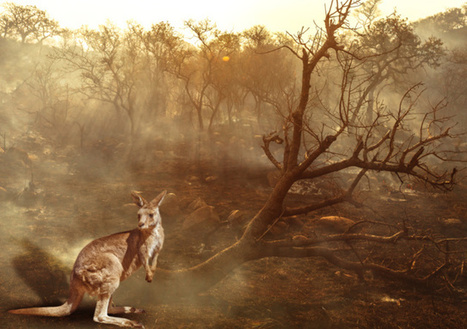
(340, 141)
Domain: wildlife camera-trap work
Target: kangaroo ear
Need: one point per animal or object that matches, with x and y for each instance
(158, 199)
(137, 199)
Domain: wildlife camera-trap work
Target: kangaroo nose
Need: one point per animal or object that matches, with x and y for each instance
(140, 224)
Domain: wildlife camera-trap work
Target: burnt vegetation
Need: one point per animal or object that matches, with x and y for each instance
(335, 154)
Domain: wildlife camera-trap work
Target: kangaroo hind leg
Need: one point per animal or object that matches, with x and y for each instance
(101, 316)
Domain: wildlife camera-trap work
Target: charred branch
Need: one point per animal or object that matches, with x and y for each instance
(347, 237)
(313, 207)
(272, 137)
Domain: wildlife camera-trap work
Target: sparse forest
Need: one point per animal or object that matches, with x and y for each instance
(316, 179)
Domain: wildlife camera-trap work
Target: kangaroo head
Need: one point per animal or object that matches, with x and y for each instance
(148, 213)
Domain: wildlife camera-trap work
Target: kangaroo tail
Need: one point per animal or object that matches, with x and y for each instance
(63, 310)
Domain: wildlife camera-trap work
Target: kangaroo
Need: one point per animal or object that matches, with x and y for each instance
(105, 262)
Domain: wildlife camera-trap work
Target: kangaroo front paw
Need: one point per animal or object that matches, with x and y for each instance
(149, 277)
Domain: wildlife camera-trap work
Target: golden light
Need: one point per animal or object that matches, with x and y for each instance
(226, 58)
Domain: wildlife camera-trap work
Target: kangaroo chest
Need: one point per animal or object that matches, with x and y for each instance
(153, 243)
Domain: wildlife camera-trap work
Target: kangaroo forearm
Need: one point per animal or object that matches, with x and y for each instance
(153, 264)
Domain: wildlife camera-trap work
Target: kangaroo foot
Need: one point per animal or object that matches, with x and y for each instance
(122, 322)
(125, 310)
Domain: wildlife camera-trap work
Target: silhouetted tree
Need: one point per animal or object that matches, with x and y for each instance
(449, 20)
(110, 65)
(27, 23)
(390, 49)
(269, 77)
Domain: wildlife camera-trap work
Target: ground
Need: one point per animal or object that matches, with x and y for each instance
(72, 203)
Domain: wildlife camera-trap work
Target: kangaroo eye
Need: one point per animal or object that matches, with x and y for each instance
(151, 215)
(139, 216)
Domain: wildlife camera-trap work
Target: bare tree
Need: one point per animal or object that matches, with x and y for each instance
(195, 67)
(312, 151)
(110, 65)
(390, 49)
(268, 74)
(6, 26)
(27, 22)
(449, 20)
(52, 98)
(159, 43)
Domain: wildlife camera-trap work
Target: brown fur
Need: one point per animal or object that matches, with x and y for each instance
(105, 262)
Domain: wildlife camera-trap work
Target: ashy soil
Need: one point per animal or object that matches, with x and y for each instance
(44, 226)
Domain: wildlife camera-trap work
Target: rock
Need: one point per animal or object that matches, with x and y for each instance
(196, 204)
(451, 222)
(211, 178)
(171, 205)
(294, 221)
(47, 151)
(193, 180)
(33, 157)
(204, 218)
(334, 224)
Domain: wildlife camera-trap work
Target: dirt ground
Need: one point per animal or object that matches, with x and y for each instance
(73, 203)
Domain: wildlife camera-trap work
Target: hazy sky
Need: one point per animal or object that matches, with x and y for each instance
(277, 15)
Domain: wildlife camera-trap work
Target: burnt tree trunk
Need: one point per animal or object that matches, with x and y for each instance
(250, 246)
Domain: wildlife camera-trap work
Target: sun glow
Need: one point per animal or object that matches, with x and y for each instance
(276, 15)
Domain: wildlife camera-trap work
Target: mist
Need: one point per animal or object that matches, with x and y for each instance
(89, 115)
